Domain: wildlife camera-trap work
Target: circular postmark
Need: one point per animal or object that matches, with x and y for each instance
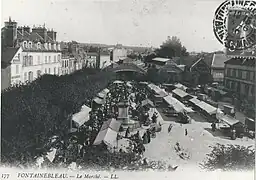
(234, 24)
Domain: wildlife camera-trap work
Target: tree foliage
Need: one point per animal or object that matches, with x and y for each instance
(172, 47)
(33, 113)
(230, 158)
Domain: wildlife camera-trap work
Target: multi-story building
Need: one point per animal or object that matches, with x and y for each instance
(10, 67)
(119, 52)
(39, 52)
(217, 67)
(92, 60)
(67, 65)
(240, 77)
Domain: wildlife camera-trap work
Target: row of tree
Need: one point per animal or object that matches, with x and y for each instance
(33, 113)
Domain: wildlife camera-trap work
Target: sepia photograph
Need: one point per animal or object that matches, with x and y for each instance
(128, 89)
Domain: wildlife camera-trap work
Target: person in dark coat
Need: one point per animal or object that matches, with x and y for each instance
(148, 134)
(170, 128)
(127, 133)
(186, 132)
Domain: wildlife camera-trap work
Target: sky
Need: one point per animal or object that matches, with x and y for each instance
(128, 22)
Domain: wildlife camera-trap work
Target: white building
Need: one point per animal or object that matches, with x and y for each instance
(39, 53)
(119, 52)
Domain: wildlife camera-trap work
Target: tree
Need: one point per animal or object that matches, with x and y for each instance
(230, 158)
(172, 47)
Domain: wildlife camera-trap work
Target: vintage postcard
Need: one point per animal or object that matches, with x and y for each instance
(128, 89)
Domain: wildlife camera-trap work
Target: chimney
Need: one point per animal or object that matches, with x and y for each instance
(42, 31)
(10, 33)
(26, 29)
(21, 30)
(52, 35)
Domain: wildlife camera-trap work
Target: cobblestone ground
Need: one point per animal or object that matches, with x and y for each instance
(195, 145)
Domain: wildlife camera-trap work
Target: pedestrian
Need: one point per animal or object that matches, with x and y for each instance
(186, 132)
(170, 128)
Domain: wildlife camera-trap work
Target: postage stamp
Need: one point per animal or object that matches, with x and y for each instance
(234, 25)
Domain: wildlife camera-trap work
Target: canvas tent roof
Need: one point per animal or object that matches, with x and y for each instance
(81, 117)
(107, 136)
(180, 93)
(207, 107)
(118, 82)
(51, 155)
(195, 101)
(98, 100)
(176, 104)
(147, 102)
(112, 124)
(229, 120)
(181, 86)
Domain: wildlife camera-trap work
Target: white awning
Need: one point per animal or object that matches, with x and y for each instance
(229, 120)
(180, 92)
(112, 124)
(81, 117)
(51, 155)
(176, 104)
(207, 107)
(181, 86)
(107, 136)
(98, 100)
(118, 82)
(195, 101)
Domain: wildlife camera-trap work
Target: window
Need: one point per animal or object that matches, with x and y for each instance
(63, 63)
(30, 60)
(58, 57)
(45, 71)
(17, 69)
(54, 70)
(38, 60)
(247, 75)
(30, 76)
(30, 44)
(240, 74)
(25, 76)
(38, 45)
(38, 73)
(19, 56)
(45, 59)
(49, 70)
(54, 59)
(251, 75)
(49, 59)
(25, 44)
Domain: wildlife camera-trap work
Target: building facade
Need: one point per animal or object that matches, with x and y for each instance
(119, 52)
(240, 77)
(217, 67)
(39, 53)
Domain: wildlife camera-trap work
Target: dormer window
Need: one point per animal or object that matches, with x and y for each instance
(25, 44)
(45, 46)
(38, 45)
(30, 44)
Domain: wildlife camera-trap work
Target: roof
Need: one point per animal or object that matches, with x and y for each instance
(171, 68)
(218, 60)
(207, 107)
(107, 136)
(112, 124)
(176, 104)
(181, 86)
(147, 102)
(180, 92)
(161, 59)
(188, 60)
(195, 101)
(229, 120)
(8, 54)
(128, 67)
(81, 117)
(92, 54)
(98, 100)
(118, 82)
(242, 61)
